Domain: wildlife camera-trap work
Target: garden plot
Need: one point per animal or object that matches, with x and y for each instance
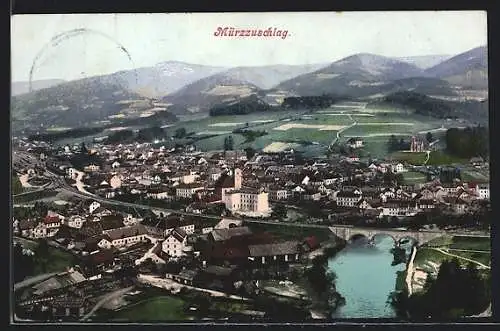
(278, 146)
(286, 127)
(226, 124)
(208, 133)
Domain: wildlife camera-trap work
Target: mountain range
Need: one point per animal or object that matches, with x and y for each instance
(186, 88)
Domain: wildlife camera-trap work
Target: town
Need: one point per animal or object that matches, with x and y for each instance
(232, 227)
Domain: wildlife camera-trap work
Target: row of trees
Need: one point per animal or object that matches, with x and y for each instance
(456, 292)
(394, 145)
(468, 142)
(310, 102)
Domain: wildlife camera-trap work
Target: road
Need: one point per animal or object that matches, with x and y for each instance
(173, 285)
(343, 129)
(105, 299)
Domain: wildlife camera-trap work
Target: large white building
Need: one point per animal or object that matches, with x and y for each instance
(348, 199)
(186, 191)
(247, 200)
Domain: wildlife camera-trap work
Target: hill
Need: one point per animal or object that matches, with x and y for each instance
(211, 91)
(424, 61)
(266, 77)
(86, 102)
(428, 106)
(163, 78)
(18, 88)
(357, 75)
(468, 69)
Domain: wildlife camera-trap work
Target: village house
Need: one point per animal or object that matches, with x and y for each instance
(398, 168)
(123, 236)
(186, 191)
(91, 168)
(483, 190)
(277, 193)
(175, 244)
(75, 221)
(399, 208)
(355, 142)
(288, 251)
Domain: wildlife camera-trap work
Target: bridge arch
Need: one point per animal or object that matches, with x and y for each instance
(357, 236)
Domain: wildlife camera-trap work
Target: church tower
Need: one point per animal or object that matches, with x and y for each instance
(238, 178)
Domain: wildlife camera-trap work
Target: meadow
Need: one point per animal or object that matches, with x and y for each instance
(315, 131)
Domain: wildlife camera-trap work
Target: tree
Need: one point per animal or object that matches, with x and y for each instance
(279, 211)
(180, 133)
(228, 143)
(250, 152)
(83, 148)
(429, 137)
(392, 143)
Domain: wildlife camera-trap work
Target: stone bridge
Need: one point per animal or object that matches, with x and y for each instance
(421, 237)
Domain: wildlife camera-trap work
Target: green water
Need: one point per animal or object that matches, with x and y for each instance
(365, 278)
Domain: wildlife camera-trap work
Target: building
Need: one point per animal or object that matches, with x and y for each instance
(186, 191)
(247, 200)
(227, 182)
(123, 236)
(398, 168)
(176, 243)
(91, 168)
(278, 194)
(483, 191)
(355, 142)
(288, 251)
(348, 199)
(418, 145)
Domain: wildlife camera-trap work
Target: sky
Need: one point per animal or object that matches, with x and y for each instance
(114, 42)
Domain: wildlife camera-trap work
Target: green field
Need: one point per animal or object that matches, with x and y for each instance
(56, 261)
(412, 177)
(442, 158)
(411, 158)
(156, 309)
(472, 243)
(480, 250)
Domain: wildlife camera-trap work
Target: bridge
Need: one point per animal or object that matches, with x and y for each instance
(348, 233)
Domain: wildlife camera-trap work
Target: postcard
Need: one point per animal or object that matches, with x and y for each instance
(250, 167)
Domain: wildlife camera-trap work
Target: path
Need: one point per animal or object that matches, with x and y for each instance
(33, 280)
(106, 298)
(486, 313)
(461, 257)
(427, 157)
(343, 129)
(409, 271)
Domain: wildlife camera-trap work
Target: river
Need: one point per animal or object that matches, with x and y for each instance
(366, 278)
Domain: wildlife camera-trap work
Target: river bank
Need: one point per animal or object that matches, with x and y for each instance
(321, 281)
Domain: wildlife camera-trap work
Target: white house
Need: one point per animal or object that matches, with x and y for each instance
(75, 221)
(398, 168)
(483, 190)
(247, 200)
(115, 165)
(123, 236)
(176, 243)
(94, 206)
